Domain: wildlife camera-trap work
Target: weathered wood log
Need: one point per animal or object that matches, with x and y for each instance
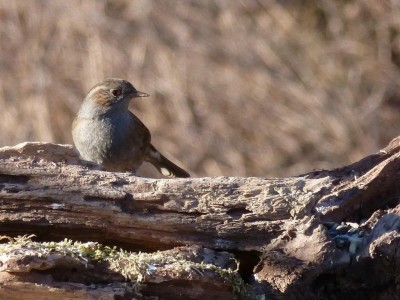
(284, 232)
(69, 270)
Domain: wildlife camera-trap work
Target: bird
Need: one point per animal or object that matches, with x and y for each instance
(106, 132)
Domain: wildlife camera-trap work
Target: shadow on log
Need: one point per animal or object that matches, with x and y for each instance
(322, 235)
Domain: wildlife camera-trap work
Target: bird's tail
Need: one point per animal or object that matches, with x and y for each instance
(163, 165)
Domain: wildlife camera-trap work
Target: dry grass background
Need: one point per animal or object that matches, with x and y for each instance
(246, 88)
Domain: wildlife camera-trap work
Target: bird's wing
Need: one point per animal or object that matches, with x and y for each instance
(139, 132)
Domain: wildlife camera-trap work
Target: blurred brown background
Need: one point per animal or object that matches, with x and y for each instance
(244, 88)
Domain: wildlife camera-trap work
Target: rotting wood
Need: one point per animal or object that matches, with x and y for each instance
(273, 225)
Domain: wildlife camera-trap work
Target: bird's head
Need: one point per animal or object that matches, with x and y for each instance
(113, 92)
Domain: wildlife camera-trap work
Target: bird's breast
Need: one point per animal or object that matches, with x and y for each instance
(93, 138)
(111, 141)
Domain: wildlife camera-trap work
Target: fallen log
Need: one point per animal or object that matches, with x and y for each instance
(314, 236)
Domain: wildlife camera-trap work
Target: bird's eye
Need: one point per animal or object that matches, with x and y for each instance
(116, 92)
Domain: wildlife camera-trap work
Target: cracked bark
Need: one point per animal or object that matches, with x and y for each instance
(274, 227)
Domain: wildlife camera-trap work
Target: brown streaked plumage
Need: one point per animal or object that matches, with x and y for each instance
(106, 132)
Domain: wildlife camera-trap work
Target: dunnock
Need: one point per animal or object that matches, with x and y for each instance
(106, 132)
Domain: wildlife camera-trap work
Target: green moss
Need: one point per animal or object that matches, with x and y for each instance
(132, 265)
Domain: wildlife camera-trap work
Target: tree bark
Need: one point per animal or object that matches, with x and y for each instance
(321, 235)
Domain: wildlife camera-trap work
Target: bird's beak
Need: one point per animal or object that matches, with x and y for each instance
(140, 94)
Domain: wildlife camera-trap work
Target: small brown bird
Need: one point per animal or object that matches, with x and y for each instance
(106, 132)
